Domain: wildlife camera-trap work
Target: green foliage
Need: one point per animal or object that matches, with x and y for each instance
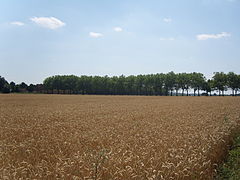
(220, 81)
(6, 88)
(231, 168)
(233, 81)
(3, 84)
(152, 84)
(197, 81)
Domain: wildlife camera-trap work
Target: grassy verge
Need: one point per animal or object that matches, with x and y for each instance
(231, 168)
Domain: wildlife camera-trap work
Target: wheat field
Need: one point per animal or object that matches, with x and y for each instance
(114, 137)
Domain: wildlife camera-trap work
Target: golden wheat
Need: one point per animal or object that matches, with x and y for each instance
(114, 137)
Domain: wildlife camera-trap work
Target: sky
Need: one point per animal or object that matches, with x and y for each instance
(42, 38)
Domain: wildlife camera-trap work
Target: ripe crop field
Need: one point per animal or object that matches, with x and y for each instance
(114, 137)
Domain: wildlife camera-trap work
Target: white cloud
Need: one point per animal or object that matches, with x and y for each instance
(18, 23)
(167, 39)
(95, 34)
(48, 22)
(118, 29)
(167, 20)
(212, 36)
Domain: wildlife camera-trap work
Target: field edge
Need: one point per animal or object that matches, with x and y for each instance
(230, 168)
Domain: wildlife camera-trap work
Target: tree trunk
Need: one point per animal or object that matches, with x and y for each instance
(198, 92)
(194, 92)
(176, 92)
(182, 91)
(187, 92)
(219, 92)
(166, 92)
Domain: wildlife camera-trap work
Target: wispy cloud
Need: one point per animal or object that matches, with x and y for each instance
(17, 23)
(212, 36)
(118, 29)
(167, 39)
(95, 34)
(167, 20)
(48, 22)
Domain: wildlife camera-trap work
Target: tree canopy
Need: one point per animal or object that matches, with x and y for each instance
(152, 84)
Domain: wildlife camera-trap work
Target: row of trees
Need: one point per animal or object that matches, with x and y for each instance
(12, 87)
(152, 84)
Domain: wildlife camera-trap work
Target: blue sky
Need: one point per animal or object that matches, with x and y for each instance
(41, 38)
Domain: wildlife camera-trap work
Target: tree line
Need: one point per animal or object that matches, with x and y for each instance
(6, 87)
(161, 84)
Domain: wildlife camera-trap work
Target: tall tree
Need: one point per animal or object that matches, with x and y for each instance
(220, 82)
(208, 86)
(170, 81)
(232, 81)
(48, 84)
(238, 85)
(158, 83)
(3, 84)
(12, 87)
(197, 82)
(184, 82)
